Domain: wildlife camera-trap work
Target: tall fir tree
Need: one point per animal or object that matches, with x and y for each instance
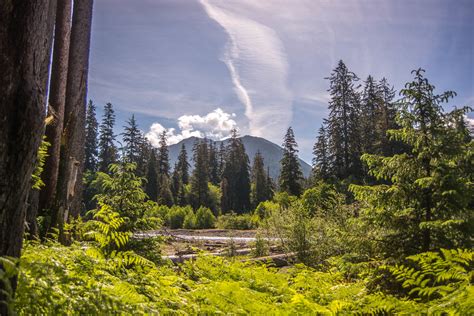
(259, 188)
(237, 177)
(163, 169)
(290, 171)
(199, 188)
(221, 159)
(132, 139)
(163, 160)
(108, 152)
(270, 185)
(321, 163)
(369, 116)
(214, 176)
(387, 121)
(183, 165)
(151, 187)
(342, 123)
(91, 148)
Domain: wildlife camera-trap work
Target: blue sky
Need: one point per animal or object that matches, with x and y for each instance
(202, 67)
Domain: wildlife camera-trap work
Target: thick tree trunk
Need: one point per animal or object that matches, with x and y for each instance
(72, 151)
(57, 99)
(34, 194)
(24, 55)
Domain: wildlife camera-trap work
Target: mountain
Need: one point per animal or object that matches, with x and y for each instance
(271, 152)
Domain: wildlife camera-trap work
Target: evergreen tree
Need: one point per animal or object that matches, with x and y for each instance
(270, 185)
(163, 170)
(342, 124)
(132, 138)
(290, 171)
(107, 149)
(180, 177)
(428, 202)
(236, 173)
(151, 187)
(175, 182)
(199, 190)
(370, 108)
(91, 150)
(163, 156)
(260, 191)
(214, 176)
(165, 196)
(321, 164)
(183, 165)
(387, 121)
(221, 159)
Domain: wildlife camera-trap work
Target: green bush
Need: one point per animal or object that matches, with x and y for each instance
(189, 220)
(205, 218)
(234, 221)
(176, 216)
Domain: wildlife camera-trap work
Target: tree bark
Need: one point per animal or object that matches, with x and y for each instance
(57, 99)
(34, 194)
(72, 151)
(25, 46)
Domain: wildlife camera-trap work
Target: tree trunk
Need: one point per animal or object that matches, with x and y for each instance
(57, 99)
(72, 151)
(34, 194)
(25, 46)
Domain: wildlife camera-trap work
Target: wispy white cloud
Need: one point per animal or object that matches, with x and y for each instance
(215, 125)
(257, 63)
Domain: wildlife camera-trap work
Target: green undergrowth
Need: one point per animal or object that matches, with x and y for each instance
(59, 280)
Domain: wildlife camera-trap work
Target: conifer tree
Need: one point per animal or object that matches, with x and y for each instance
(199, 191)
(387, 120)
(183, 165)
(214, 176)
(290, 171)
(270, 186)
(151, 187)
(91, 150)
(132, 138)
(221, 159)
(107, 150)
(163, 170)
(237, 175)
(321, 164)
(342, 123)
(165, 196)
(428, 201)
(175, 182)
(163, 156)
(369, 116)
(260, 191)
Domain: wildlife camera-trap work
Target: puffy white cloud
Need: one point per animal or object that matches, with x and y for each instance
(214, 125)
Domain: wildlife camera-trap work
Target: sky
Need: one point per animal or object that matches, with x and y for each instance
(203, 67)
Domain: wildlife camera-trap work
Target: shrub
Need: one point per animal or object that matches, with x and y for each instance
(265, 209)
(189, 220)
(205, 218)
(234, 221)
(176, 217)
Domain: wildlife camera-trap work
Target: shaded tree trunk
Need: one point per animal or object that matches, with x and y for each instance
(34, 194)
(72, 150)
(25, 46)
(57, 99)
